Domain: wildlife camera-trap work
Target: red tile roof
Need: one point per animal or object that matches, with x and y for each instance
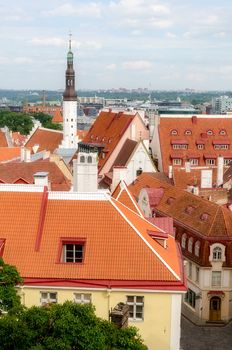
(198, 127)
(23, 172)
(117, 245)
(3, 139)
(108, 129)
(9, 153)
(57, 117)
(46, 139)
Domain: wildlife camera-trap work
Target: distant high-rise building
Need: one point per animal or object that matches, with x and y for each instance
(221, 104)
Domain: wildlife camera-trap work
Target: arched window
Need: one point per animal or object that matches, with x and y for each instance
(217, 253)
(89, 159)
(222, 132)
(188, 132)
(197, 248)
(209, 132)
(82, 159)
(190, 245)
(183, 240)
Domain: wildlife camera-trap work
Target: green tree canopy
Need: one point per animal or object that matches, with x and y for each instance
(65, 327)
(46, 121)
(21, 122)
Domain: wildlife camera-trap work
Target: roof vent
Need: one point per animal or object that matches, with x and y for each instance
(194, 119)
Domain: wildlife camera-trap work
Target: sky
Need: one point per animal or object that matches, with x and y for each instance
(164, 45)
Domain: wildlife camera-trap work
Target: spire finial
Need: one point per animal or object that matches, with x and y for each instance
(70, 40)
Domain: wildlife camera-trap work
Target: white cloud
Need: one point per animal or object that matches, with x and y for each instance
(171, 35)
(111, 66)
(91, 9)
(137, 65)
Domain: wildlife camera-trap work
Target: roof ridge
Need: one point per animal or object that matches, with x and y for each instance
(131, 197)
(162, 260)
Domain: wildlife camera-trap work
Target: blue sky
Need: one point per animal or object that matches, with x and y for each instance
(173, 44)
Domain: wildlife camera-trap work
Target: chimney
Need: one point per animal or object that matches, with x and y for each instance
(119, 174)
(220, 165)
(187, 167)
(85, 169)
(22, 154)
(194, 119)
(41, 178)
(27, 155)
(170, 172)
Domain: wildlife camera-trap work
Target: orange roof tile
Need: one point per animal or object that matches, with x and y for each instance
(82, 134)
(197, 128)
(108, 129)
(183, 179)
(9, 153)
(57, 117)
(3, 139)
(46, 139)
(117, 245)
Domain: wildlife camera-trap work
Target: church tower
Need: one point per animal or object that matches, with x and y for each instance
(69, 104)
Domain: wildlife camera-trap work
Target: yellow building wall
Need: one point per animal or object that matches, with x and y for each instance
(155, 329)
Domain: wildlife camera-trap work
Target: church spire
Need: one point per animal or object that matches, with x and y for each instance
(70, 93)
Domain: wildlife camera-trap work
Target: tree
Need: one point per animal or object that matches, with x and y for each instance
(46, 121)
(16, 121)
(64, 327)
(9, 278)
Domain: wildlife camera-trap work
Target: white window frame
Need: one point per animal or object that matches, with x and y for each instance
(190, 245)
(133, 307)
(227, 161)
(217, 253)
(197, 248)
(82, 298)
(216, 278)
(194, 161)
(210, 161)
(183, 240)
(190, 298)
(176, 161)
(48, 297)
(197, 276)
(74, 250)
(200, 146)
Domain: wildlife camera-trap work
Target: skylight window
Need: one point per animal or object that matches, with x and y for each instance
(174, 132)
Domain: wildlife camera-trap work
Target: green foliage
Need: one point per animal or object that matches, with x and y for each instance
(9, 277)
(46, 121)
(64, 327)
(16, 121)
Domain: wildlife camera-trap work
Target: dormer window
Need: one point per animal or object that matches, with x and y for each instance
(222, 132)
(209, 132)
(200, 146)
(189, 209)
(217, 253)
(188, 132)
(183, 240)
(174, 132)
(197, 248)
(73, 251)
(204, 217)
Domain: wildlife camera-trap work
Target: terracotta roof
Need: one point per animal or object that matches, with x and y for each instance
(199, 128)
(128, 199)
(57, 117)
(81, 134)
(125, 153)
(18, 138)
(3, 139)
(9, 153)
(183, 179)
(46, 139)
(23, 172)
(164, 223)
(218, 223)
(117, 245)
(108, 129)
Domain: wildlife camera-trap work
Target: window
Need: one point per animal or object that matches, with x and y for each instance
(190, 245)
(217, 253)
(189, 209)
(176, 161)
(183, 240)
(209, 132)
(204, 217)
(48, 297)
(82, 298)
(136, 306)
(89, 159)
(197, 248)
(210, 161)
(139, 171)
(222, 132)
(190, 270)
(82, 159)
(188, 132)
(170, 200)
(193, 161)
(73, 253)
(174, 132)
(197, 274)
(227, 161)
(190, 298)
(200, 146)
(216, 278)
(179, 146)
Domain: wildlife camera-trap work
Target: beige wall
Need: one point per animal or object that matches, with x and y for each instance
(156, 329)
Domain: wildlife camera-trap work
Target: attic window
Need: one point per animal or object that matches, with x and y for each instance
(189, 209)
(209, 132)
(110, 140)
(204, 217)
(170, 200)
(174, 132)
(73, 252)
(188, 132)
(222, 132)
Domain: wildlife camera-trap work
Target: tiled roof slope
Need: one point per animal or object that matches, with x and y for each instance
(107, 130)
(57, 117)
(198, 128)
(219, 220)
(117, 245)
(46, 139)
(125, 153)
(128, 199)
(183, 179)
(3, 139)
(9, 153)
(14, 172)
